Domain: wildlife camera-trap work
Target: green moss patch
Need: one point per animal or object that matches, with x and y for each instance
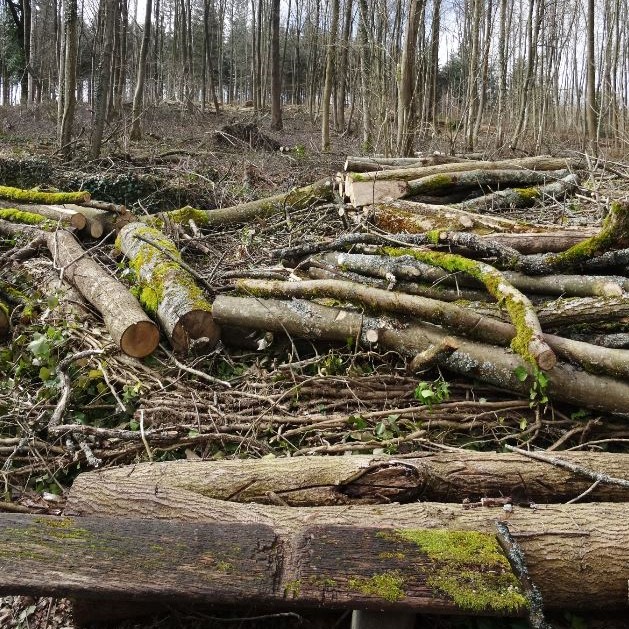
(36, 196)
(386, 585)
(26, 218)
(470, 568)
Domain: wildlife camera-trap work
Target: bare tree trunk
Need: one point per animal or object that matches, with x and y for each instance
(69, 81)
(104, 78)
(590, 104)
(329, 77)
(138, 96)
(276, 77)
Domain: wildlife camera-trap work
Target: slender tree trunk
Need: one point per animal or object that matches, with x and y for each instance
(104, 79)
(138, 96)
(329, 76)
(590, 105)
(69, 80)
(276, 77)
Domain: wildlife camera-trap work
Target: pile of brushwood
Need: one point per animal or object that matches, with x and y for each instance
(423, 304)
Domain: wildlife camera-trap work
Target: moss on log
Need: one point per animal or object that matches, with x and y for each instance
(14, 215)
(299, 198)
(36, 196)
(528, 341)
(166, 290)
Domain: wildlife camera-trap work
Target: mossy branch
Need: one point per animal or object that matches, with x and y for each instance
(528, 341)
(36, 196)
(27, 218)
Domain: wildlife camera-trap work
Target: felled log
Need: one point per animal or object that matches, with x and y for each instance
(520, 197)
(371, 164)
(132, 331)
(18, 195)
(166, 289)
(557, 540)
(235, 563)
(479, 178)
(368, 188)
(359, 479)
(63, 214)
(412, 217)
(485, 362)
(299, 198)
(407, 268)
(4, 319)
(468, 321)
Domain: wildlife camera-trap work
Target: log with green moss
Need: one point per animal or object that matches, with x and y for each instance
(166, 290)
(613, 235)
(4, 319)
(482, 361)
(528, 341)
(404, 269)
(522, 197)
(479, 178)
(372, 164)
(32, 219)
(298, 198)
(132, 331)
(374, 187)
(59, 213)
(19, 195)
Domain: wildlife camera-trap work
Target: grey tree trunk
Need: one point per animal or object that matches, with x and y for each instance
(138, 96)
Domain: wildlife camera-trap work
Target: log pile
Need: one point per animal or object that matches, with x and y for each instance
(356, 324)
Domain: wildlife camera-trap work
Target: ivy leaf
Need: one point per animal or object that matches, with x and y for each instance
(520, 373)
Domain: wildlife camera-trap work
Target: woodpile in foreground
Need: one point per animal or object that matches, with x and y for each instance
(319, 321)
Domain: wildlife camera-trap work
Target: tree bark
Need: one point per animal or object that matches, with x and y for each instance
(361, 479)
(475, 179)
(167, 290)
(69, 81)
(132, 331)
(276, 76)
(561, 543)
(299, 198)
(520, 197)
(372, 164)
(329, 77)
(485, 362)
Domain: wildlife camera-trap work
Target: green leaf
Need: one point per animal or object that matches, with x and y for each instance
(39, 346)
(45, 373)
(520, 373)
(523, 424)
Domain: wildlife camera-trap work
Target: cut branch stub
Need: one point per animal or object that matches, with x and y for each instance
(166, 289)
(130, 328)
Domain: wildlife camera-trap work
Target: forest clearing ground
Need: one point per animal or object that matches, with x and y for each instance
(285, 396)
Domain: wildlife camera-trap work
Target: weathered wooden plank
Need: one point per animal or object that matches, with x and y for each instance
(436, 571)
(126, 559)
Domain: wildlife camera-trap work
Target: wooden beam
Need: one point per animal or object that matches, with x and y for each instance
(323, 566)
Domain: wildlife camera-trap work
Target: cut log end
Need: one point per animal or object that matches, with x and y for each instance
(543, 354)
(140, 339)
(195, 325)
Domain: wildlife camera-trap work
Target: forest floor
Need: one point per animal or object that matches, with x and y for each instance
(277, 394)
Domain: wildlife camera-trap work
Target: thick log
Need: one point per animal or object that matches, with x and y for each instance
(488, 363)
(371, 164)
(363, 188)
(299, 198)
(552, 241)
(520, 197)
(328, 566)
(167, 290)
(4, 319)
(132, 331)
(577, 554)
(473, 179)
(341, 480)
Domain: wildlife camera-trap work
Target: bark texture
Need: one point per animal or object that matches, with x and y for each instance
(358, 479)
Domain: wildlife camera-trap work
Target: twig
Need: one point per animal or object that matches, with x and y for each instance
(62, 372)
(518, 564)
(123, 408)
(195, 372)
(143, 436)
(577, 469)
(589, 490)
